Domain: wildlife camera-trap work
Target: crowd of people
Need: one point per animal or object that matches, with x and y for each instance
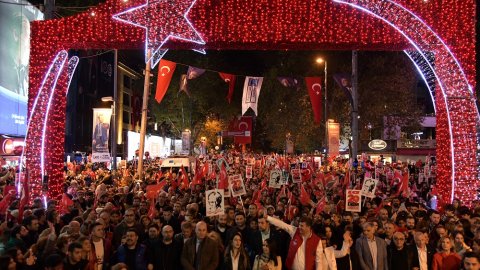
(117, 220)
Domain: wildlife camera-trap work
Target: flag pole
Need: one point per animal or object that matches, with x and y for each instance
(143, 123)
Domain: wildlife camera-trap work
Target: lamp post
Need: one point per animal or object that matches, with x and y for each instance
(369, 126)
(113, 131)
(320, 60)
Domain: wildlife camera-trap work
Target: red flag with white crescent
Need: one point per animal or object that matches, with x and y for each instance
(223, 178)
(183, 181)
(230, 79)
(151, 211)
(314, 87)
(244, 124)
(320, 206)
(304, 196)
(165, 73)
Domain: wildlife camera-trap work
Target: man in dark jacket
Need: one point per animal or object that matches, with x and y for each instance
(166, 254)
(129, 222)
(132, 253)
(200, 252)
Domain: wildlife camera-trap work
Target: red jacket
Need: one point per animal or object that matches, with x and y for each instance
(310, 250)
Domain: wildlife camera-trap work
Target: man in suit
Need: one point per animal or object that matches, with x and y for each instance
(372, 251)
(421, 255)
(100, 135)
(200, 252)
(264, 232)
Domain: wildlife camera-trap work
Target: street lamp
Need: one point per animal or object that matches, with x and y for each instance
(319, 61)
(114, 130)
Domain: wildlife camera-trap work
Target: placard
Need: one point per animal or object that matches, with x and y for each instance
(215, 202)
(353, 203)
(249, 172)
(276, 179)
(237, 187)
(369, 187)
(296, 175)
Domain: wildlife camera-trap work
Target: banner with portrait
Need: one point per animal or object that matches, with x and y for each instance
(276, 179)
(333, 139)
(215, 202)
(353, 203)
(237, 187)
(249, 172)
(369, 187)
(296, 175)
(101, 134)
(186, 137)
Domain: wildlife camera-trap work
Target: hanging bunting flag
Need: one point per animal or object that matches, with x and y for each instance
(251, 92)
(183, 85)
(344, 80)
(194, 72)
(230, 79)
(165, 72)
(314, 86)
(289, 82)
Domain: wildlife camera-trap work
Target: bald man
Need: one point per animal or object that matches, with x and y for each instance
(200, 252)
(165, 255)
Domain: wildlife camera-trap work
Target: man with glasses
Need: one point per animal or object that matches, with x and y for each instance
(398, 253)
(128, 222)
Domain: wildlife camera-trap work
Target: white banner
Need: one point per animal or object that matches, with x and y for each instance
(215, 202)
(353, 202)
(101, 134)
(369, 187)
(276, 179)
(251, 92)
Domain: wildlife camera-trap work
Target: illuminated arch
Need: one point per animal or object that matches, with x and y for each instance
(280, 24)
(456, 108)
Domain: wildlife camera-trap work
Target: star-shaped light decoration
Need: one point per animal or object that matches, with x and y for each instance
(162, 20)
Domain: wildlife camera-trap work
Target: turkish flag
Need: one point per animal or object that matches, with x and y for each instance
(183, 179)
(152, 211)
(153, 190)
(245, 125)
(165, 73)
(314, 87)
(304, 196)
(320, 206)
(230, 79)
(223, 178)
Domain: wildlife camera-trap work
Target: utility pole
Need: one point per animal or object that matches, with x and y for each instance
(355, 105)
(115, 99)
(143, 123)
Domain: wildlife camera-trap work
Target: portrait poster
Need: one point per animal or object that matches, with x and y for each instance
(101, 134)
(369, 187)
(296, 175)
(276, 179)
(249, 172)
(237, 187)
(215, 202)
(353, 201)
